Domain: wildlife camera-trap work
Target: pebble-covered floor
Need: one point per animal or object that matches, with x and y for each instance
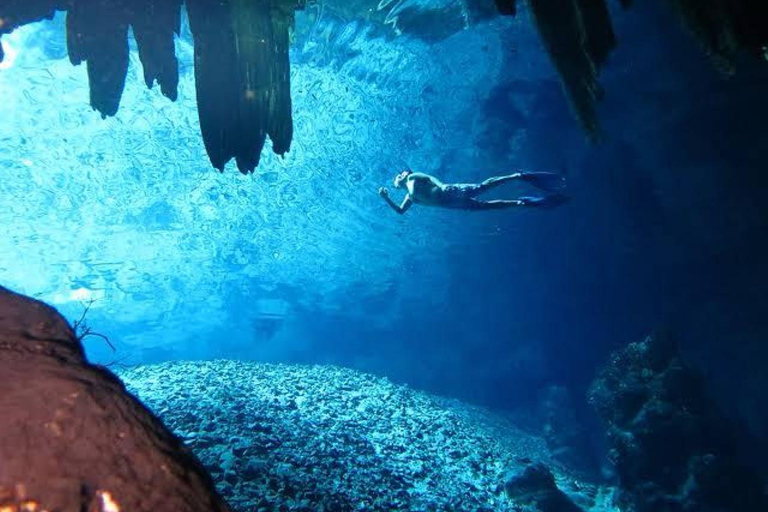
(323, 438)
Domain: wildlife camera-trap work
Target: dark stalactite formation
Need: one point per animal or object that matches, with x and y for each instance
(242, 66)
(242, 75)
(280, 124)
(215, 77)
(97, 33)
(599, 39)
(578, 37)
(154, 22)
(726, 27)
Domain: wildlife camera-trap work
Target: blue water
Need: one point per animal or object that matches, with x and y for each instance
(302, 262)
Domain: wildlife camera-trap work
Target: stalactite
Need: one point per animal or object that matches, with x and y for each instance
(711, 23)
(280, 124)
(215, 76)
(242, 74)
(598, 30)
(264, 97)
(154, 22)
(254, 65)
(97, 33)
(724, 27)
(242, 68)
(562, 26)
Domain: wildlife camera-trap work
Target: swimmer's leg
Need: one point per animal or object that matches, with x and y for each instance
(550, 201)
(495, 182)
(549, 181)
(496, 204)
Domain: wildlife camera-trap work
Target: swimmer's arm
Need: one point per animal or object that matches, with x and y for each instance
(407, 202)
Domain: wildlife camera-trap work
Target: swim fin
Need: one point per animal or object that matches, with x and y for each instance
(549, 181)
(550, 201)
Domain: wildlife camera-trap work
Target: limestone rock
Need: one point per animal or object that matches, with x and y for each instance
(72, 438)
(673, 450)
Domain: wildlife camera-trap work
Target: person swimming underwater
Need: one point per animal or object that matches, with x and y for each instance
(427, 190)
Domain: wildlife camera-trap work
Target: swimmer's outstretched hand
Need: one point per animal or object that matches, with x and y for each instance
(383, 192)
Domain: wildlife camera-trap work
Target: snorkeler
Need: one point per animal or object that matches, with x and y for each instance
(429, 191)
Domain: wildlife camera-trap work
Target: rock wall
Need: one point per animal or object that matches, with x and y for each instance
(672, 449)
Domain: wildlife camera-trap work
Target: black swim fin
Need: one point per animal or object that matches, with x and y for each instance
(550, 201)
(549, 181)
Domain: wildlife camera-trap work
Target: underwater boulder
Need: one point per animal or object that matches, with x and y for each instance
(673, 450)
(535, 489)
(72, 438)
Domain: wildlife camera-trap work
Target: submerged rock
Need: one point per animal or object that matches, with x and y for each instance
(536, 488)
(72, 438)
(673, 450)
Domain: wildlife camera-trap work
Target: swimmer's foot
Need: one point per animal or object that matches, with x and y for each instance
(550, 201)
(549, 181)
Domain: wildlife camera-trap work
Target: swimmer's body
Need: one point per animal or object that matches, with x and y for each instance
(427, 190)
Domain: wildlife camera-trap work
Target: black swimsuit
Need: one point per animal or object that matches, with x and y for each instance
(460, 195)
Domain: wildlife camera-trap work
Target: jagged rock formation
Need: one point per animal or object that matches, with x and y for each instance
(579, 37)
(673, 451)
(72, 438)
(242, 67)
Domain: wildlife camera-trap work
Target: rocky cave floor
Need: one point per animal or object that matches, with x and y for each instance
(323, 438)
